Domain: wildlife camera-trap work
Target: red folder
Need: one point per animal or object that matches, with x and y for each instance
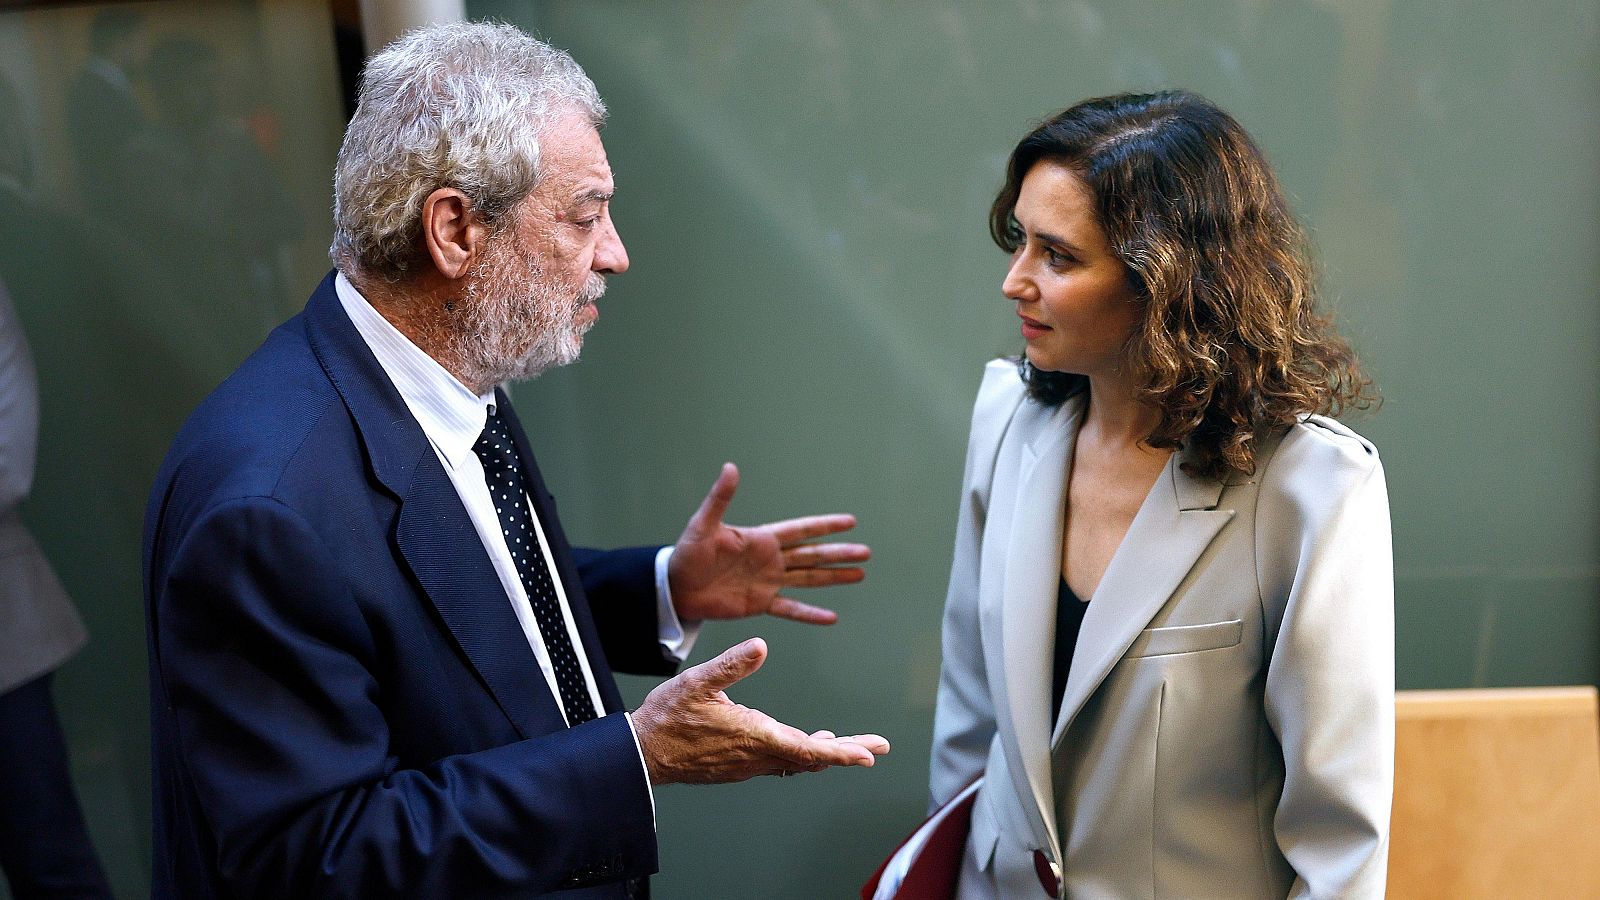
(927, 863)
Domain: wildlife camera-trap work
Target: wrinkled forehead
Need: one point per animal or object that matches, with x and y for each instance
(574, 159)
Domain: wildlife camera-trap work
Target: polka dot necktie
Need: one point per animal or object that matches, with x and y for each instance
(499, 457)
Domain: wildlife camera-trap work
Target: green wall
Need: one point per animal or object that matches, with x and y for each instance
(802, 188)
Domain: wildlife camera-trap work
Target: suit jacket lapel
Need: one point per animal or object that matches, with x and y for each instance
(1174, 525)
(443, 550)
(433, 534)
(544, 507)
(1027, 603)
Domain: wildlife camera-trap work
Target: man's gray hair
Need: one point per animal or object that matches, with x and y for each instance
(459, 105)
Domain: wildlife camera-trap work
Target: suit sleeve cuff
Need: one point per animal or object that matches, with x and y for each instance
(649, 790)
(677, 637)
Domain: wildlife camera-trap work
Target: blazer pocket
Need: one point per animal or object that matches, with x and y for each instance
(1185, 639)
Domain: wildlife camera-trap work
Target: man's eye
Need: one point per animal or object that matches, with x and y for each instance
(587, 224)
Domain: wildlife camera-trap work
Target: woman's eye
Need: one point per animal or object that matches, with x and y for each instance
(1057, 260)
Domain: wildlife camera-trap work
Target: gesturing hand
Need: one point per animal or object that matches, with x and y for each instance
(721, 571)
(691, 733)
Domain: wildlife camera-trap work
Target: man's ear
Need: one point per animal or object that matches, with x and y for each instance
(453, 233)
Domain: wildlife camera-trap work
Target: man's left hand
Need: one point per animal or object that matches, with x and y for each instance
(721, 571)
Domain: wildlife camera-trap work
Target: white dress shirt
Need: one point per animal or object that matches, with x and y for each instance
(453, 417)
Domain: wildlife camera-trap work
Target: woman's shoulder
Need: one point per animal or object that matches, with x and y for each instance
(1001, 376)
(1326, 445)
(1322, 501)
(999, 398)
(1318, 461)
(1335, 434)
(999, 394)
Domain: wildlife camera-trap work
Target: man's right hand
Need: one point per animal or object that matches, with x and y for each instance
(692, 733)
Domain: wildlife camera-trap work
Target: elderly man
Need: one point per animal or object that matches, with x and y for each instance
(378, 668)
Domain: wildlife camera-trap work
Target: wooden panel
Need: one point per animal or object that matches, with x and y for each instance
(1497, 794)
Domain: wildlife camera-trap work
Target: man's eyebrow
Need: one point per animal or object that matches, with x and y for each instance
(593, 196)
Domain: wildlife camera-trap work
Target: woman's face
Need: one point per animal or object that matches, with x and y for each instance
(1071, 292)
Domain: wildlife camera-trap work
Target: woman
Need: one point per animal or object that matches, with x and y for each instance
(1168, 642)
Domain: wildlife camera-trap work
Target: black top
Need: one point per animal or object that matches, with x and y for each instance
(1069, 619)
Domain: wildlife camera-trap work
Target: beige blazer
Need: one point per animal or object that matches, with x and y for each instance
(1228, 724)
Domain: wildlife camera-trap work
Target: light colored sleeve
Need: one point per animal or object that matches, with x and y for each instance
(1327, 571)
(963, 720)
(19, 407)
(677, 636)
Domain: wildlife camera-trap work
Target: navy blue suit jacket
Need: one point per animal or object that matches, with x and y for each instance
(343, 703)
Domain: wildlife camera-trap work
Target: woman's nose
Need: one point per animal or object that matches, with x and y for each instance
(1017, 285)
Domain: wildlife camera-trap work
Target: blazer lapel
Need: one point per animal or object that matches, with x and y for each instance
(1174, 525)
(443, 550)
(1027, 604)
(433, 534)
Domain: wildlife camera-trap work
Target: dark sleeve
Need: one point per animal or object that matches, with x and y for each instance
(268, 665)
(621, 587)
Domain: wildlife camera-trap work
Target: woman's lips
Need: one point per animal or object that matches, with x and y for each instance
(1032, 328)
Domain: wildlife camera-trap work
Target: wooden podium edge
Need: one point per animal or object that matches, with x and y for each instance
(1498, 702)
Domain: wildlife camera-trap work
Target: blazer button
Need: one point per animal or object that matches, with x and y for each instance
(1049, 872)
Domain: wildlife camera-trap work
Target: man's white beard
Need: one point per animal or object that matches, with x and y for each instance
(514, 322)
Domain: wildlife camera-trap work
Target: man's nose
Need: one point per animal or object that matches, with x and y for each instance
(610, 257)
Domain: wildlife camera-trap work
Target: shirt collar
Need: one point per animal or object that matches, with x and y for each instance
(450, 415)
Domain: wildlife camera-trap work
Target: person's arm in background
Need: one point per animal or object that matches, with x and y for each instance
(19, 407)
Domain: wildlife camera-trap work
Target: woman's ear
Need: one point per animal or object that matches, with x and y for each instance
(453, 233)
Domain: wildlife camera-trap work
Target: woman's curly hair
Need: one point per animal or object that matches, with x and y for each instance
(1230, 343)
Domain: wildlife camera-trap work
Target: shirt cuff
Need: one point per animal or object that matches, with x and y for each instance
(677, 637)
(649, 789)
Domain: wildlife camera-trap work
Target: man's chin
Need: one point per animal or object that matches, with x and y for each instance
(532, 368)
